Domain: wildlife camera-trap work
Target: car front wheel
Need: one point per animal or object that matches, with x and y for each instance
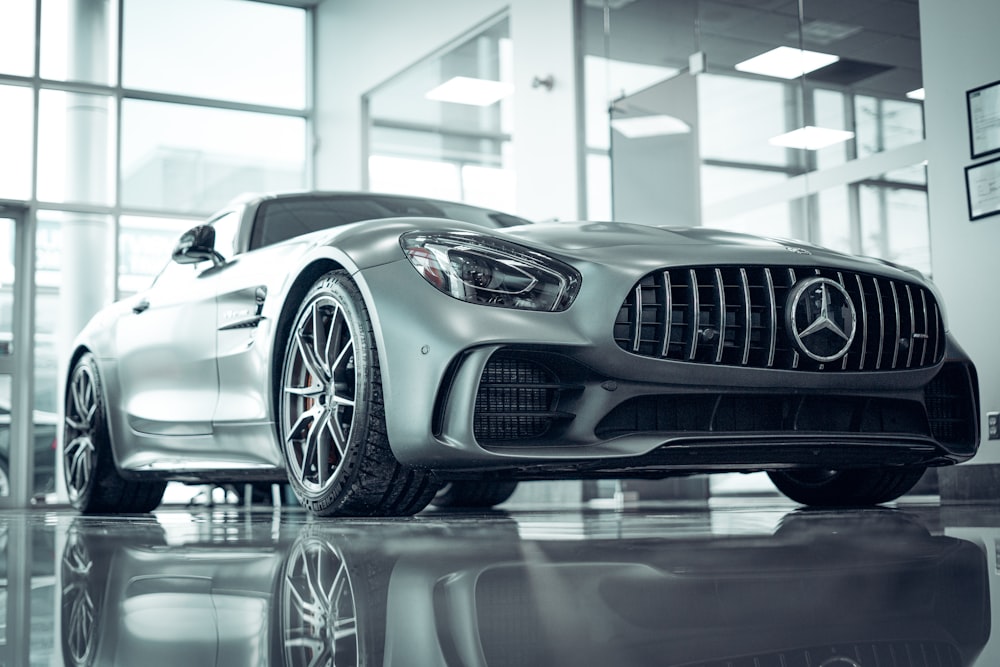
(92, 479)
(331, 412)
(861, 486)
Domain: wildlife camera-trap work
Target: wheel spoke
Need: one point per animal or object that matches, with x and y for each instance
(338, 322)
(304, 421)
(78, 457)
(305, 341)
(319, 446)
(311, 391)
(337, 436)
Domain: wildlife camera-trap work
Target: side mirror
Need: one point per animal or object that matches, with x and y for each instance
(197, 245)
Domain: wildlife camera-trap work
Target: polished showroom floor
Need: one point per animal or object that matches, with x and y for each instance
(736, 582)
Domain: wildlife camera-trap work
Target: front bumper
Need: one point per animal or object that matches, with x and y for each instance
(537, 395)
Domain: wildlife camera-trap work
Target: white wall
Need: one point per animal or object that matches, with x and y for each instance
(960, 51)
(362, 43)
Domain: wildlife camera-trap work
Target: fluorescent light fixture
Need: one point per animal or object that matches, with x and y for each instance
(811, 138)
(650, 126)
(917, 94)
(466, 90)
(785, 62)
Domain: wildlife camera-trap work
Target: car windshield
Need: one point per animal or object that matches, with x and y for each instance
(287, 217)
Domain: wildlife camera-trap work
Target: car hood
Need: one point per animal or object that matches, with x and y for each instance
(641, 245)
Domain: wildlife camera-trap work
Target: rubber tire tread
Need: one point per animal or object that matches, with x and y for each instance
(373, 482)
(474, 493)
(108, 492)
(853, 487)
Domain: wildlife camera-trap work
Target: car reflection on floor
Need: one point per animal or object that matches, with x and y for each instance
(848, 589)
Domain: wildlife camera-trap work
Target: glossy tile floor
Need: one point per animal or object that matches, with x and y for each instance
(741, 582)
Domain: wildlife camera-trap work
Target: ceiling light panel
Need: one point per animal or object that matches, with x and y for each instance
(811, 138)
(785, 62)
(467, 90)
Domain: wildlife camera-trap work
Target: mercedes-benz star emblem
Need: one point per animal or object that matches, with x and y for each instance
(821, 319)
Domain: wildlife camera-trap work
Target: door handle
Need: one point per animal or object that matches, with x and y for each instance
(140, 306)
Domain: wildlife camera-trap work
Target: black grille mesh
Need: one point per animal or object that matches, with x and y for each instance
(950, 406)
(516, 400)
(735, 316)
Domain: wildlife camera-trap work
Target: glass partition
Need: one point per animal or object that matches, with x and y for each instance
(441, 128)
(762, 118)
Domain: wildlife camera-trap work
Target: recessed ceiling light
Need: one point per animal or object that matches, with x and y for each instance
(917, 94)
(785, 62)
(650, 126)
(466, 90)
(811, 138)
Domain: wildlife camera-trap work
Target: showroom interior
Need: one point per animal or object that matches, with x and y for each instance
(127, 122)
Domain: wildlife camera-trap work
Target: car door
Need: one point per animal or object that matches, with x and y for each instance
(166, 346)
(248, 302)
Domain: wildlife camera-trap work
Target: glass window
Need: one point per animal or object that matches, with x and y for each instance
(17, 48)
(76, 148)
(448, 146)
(235, 50)
(829, 114)
(886, 124)
(738, 117)
(894, 225)
(427, 178)
(78, 41)
(144, 247)
(17, 106)
(189, 159)
(70, 286)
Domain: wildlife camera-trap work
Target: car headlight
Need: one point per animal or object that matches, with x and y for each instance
(491, 271)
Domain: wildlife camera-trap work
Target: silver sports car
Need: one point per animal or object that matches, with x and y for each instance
(383, 352)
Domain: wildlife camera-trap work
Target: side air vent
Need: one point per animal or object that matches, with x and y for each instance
(517, 400)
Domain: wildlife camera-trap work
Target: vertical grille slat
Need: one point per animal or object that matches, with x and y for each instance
(913, 328)
(637, 335)
(864, 323)
(881, 324)
(772, 319)
(747, 316)
(720, 291)
(927, 327)
(667, 313)
(695, 314)
(895, 306)
(737, 316)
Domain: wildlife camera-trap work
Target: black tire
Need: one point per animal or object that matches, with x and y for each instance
(331, 417)
(92, 479)
(855, 487)
(474, 494)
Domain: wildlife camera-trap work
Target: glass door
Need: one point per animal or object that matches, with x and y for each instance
(16, 423)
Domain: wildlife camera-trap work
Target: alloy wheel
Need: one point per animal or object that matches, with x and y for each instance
(318, 390)
(82, 405)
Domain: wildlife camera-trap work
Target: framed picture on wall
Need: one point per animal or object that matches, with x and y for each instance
(982, 188)
(983, 107)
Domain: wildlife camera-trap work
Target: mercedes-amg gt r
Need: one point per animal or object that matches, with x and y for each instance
(382, 352)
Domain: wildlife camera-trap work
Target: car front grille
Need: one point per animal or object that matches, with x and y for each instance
(736, 316)
(516, 400)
